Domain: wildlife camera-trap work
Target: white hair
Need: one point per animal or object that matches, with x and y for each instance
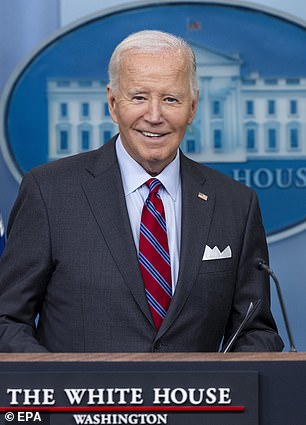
(151, 41)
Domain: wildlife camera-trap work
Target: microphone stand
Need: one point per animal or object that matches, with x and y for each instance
(237, 333)
(263, 266)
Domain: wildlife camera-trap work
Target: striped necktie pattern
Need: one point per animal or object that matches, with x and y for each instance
(154, 258)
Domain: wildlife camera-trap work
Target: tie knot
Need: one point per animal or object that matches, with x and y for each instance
(153, 185)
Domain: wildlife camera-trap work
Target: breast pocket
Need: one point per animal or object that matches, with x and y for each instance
(225, 265)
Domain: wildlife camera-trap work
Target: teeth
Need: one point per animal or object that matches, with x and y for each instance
(147, 133)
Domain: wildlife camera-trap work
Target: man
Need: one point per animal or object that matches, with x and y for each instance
(114, 248)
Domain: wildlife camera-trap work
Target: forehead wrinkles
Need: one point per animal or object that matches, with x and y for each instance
(160, 66)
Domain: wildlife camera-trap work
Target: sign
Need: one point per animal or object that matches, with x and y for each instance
(174, 398)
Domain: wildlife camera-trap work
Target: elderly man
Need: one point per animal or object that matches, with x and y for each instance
(114, 249)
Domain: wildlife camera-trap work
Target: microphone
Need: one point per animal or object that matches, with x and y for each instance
(260, 264)
(251, 310)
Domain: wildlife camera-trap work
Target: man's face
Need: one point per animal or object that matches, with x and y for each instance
(153, 106)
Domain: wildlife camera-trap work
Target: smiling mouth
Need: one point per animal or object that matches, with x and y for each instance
(152, 135)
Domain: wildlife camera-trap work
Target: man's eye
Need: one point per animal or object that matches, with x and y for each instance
(138, 98)
(170, 99)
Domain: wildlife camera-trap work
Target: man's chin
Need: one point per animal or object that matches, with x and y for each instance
(155, 164)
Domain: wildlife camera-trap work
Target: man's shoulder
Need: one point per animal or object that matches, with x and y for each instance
(74, 166)
(215, 178)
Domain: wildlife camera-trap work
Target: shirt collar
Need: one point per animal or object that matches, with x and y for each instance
(134, 175)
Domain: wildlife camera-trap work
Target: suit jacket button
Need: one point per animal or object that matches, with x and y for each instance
(158, 346)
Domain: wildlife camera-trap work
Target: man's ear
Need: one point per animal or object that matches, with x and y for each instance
(111, 103)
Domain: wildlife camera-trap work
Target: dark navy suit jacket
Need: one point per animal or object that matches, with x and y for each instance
(71, 258)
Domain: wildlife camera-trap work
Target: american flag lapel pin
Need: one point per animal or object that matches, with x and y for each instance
(202, 196)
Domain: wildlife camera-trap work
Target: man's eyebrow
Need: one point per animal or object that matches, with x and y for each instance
(137, 90)
(141, 90)
(174, 94)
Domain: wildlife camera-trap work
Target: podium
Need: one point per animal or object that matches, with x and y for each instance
(172, 388)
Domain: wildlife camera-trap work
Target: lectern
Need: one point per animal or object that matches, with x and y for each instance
(174, 389)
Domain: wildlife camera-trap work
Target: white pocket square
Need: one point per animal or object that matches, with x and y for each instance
(216, 254)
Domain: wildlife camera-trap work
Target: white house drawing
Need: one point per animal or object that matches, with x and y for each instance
(238, 119)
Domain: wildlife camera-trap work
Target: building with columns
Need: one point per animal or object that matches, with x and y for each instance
(79, 118)
(238, 118)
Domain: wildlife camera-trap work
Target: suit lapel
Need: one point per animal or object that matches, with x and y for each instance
(196, 218)
(103, 189)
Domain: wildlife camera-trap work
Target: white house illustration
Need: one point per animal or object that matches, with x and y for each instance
(238, 119)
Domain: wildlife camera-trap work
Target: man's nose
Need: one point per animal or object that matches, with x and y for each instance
(154, 111)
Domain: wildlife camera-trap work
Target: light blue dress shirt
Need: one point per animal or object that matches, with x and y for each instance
(134, 177)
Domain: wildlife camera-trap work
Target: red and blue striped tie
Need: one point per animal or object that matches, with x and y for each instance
(154, 258)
